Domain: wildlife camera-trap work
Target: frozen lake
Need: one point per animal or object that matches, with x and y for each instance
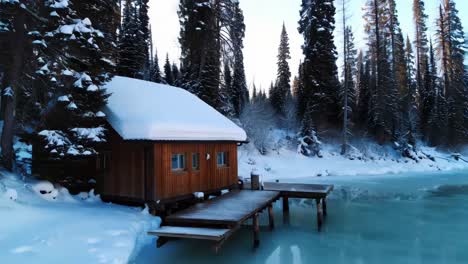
(417, 218)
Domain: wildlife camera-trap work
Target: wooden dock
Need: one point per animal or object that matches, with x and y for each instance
(217, 219)
(318, 192)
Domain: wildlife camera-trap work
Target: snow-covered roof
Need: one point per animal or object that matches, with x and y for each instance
(141, 110)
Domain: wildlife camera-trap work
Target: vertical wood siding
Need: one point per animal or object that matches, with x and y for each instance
(170, 184)
(126, 176)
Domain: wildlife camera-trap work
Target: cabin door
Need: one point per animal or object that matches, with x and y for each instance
(149, 173)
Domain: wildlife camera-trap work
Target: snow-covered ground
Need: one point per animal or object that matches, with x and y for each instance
(42, 224)
(283, 162)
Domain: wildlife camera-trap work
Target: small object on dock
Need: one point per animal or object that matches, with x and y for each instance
(255, 181)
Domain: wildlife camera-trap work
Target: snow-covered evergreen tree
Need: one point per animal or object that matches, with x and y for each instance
(155, 70)
(75, 69)
(422, 49)
(168, 75)
(347, 93)
(321, 86)
(282, 90)
(134, 43)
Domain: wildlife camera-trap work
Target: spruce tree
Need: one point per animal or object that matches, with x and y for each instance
(382, 87)
(155, 70)
(76, 72)
(175, 74)
(283, 86)
(16, 23)
(200, 46)
(321, 86)
(437, 131)
(421, 47)
(240, 94)
(363, 114)
(347, 92)
(168, 71)
(454, 39)
(131, 61)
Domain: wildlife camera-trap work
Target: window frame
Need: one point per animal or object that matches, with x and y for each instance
(180, 157)
(225, 159)
(196, 168)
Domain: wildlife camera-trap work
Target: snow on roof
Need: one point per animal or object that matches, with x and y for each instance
(141, 110)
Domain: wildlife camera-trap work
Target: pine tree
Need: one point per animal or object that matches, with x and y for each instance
(240, 94)
(320, 80)
(76, 72)
(347, 93)
(200, 45)
(131, 61)
(382, 87)
(168, 72)
(438, 116)
(226, 90)
(409, 108)
(155, 70)
(421, 46)
(143, 39)
(16, 23)
(454, 40)
(175, 74)
(283, 87)
(363, 114)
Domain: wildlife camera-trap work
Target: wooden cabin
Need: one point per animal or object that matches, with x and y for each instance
(164, 144)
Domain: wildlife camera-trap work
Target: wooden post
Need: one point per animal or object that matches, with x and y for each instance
(255, 181)
(256, 230)
(319, 214)
(271, 216)
(285, 204)
(324, 207)
(161, 241)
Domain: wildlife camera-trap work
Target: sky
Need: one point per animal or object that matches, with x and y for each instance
(264, 19)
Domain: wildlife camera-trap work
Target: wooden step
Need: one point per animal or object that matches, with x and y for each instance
(212, 234)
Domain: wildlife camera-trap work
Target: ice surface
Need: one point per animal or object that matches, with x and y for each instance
(145, 110)
(383, 219)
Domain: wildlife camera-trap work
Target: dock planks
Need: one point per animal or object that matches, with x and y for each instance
(293, 190)
(230, 209)
(191, 232)
(318, 192)
(217, 219)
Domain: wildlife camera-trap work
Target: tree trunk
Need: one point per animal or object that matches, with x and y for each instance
(13, 78)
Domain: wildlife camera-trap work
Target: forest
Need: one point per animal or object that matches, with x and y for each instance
(56, 56)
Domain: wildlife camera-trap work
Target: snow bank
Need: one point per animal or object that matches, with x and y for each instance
(141, 110)
(285, 163)
(45, 224)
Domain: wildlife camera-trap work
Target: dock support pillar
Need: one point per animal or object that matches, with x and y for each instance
(324, 207)
(256, 231)
(271, 217)
(285, 204)
(319, 214)
(161, 241)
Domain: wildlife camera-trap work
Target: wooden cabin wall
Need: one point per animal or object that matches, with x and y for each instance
(171, 184)
(125, 178)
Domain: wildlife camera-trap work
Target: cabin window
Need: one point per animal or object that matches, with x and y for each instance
(222, 159)
(178, 162)
(195, 161)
